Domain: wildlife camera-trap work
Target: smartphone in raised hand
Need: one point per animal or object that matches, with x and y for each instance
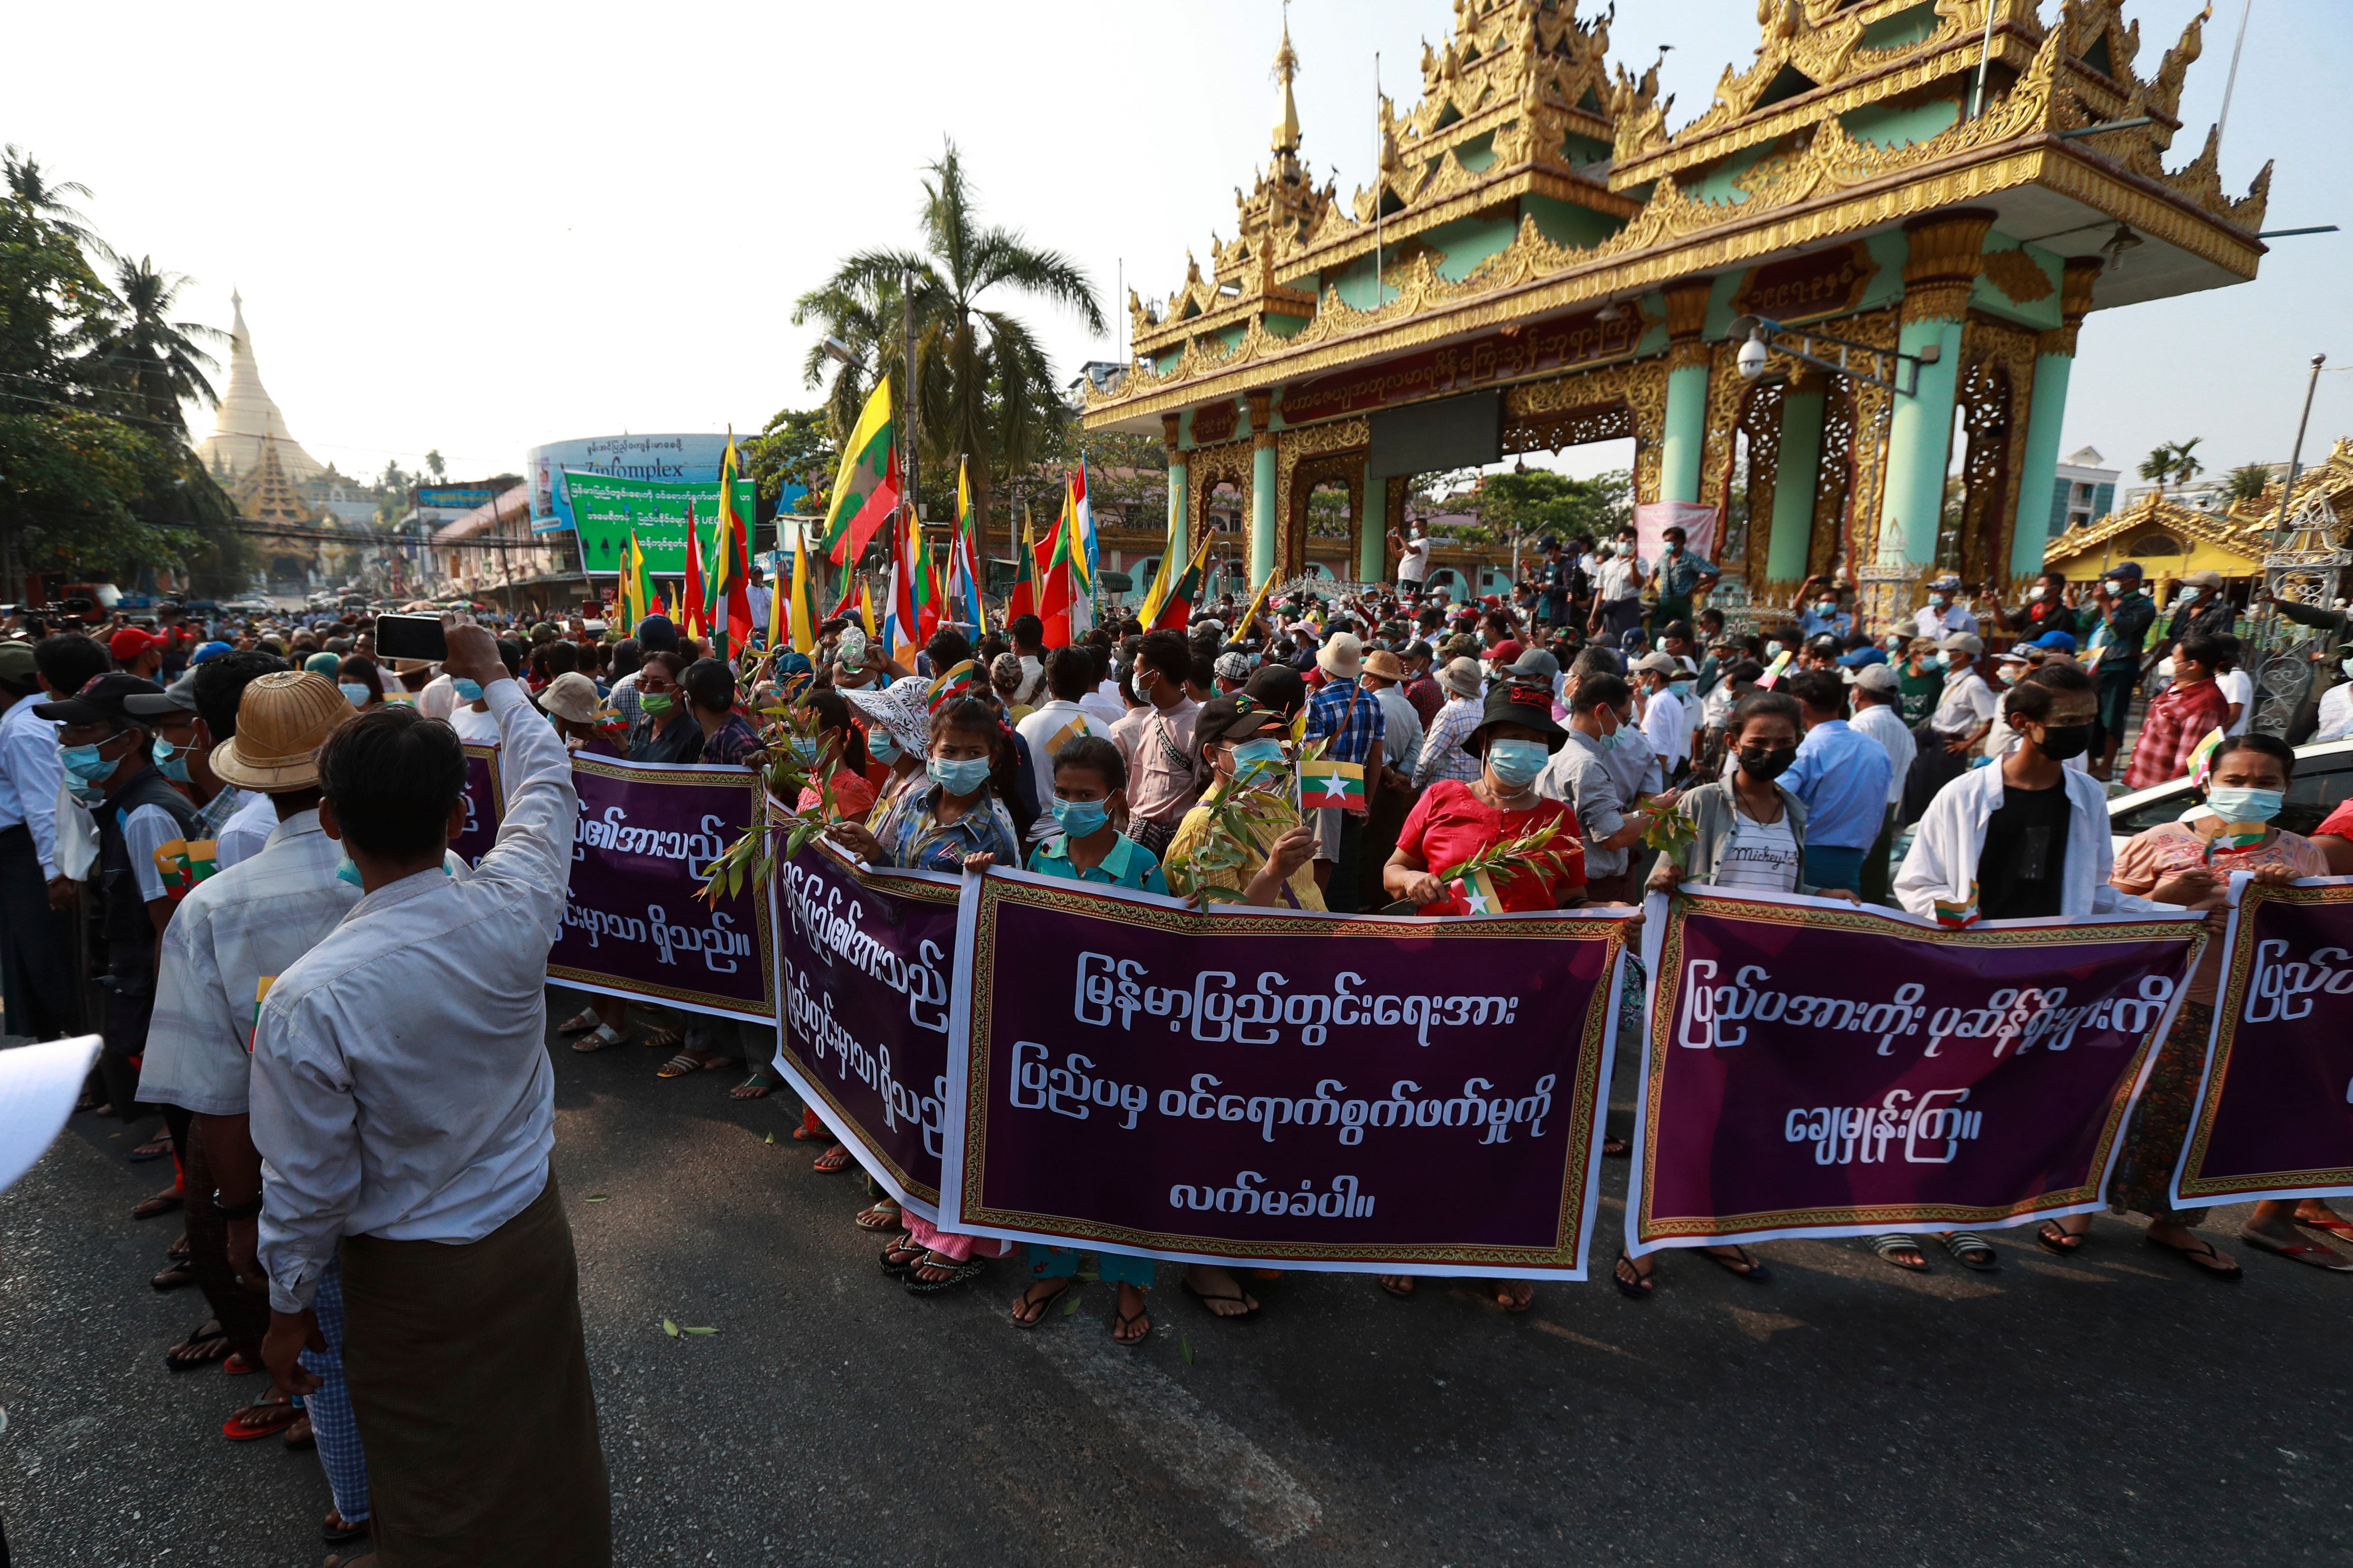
(410, 636)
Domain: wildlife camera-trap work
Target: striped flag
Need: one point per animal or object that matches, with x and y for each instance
(964, 580)
(1177, 609)
(804, 603)
(1323, 784)
(866, 482)
(695, 610)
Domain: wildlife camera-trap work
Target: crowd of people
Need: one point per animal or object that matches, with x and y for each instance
(241, 831)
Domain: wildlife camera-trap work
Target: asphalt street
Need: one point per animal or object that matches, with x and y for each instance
(2113, 1408)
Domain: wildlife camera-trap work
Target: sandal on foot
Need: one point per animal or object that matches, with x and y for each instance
(2053, 1237)
(176, 1274)
(665, 1039)
(685, 1065)
(1504, 1300)
(1746, 1265)
(805, 1133)
(580, 1023)
(263, 1416)
(1122, 1320)
(298, 1435)
(833, 1161)
(1638, 1288)
(1401, 1286)
(155, 1148)
(1250, 1315)
(1894, 1242)
(207, 1343)
(759, 1086)
(234, 1365)
(605, 1035)
(1616, 1148)
(178, 1248)
(916, 1285)
(165, 1202)
(1030, 1298)
(2336, 1225)
(876, 1216)
(337, 1531)
(2191, 1255)
(1970, 1250)
(893, 1260)
(2325, 1258)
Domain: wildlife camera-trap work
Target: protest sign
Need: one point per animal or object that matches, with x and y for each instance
(866, 960)
(604, 510)
(486, 803)
(1814, 1069)
(636, 922)
(1279, 1089)
(2274, 1117)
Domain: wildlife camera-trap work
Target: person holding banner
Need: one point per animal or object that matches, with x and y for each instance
(664, 731)
(2245, 784)
(1240, 749)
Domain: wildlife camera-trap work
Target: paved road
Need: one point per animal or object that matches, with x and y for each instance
(2115, 1408)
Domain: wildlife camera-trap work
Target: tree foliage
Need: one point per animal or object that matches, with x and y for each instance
(2247, 482)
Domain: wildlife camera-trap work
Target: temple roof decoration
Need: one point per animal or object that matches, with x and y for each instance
(265, 493)
(1533, 167)
(248, 418)
(2242, 530)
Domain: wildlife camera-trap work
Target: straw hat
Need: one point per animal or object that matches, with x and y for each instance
(282, 720)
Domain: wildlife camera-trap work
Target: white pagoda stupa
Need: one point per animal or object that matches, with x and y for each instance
(246, 420)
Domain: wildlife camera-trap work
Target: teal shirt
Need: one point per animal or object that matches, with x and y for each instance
(1129, 865)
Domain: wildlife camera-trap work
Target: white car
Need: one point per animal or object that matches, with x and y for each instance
(2324, 777)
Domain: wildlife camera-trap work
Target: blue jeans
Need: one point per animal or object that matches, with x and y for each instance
(1830, 867)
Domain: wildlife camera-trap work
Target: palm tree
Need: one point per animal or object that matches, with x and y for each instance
(44, 199)
(2158, 466)
(2247, 482)
(2187, 467)
(148, 359)
(984, 385)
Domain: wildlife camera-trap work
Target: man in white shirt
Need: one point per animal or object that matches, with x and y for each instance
(473, 720)
(1413, 557)
(1943, 615)
(403, 1102)
(1874, 693)
(1029, 635)
(1070, 676)
(1618, 588)
(1665, 726)
(36, 933)
(1965, 712)
(2238, 688)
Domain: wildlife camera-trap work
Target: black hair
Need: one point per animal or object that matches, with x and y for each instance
(627, 656)
(1166, 653)
(1595, 660)
(990, 646)
(710, 685)
(2199, 650)
(2264, 746)
(511, 655)
(68, 661)
(1817, 689)
(1027, 631)
(946, 649)
(360, 668)
(1095, 754)
(221, 684)
(1203, 672)
(2031, 698)
(973, 717)
(832, 710)
(1601, 689)
(560, 658)
(1070, 673)
(669, 659)
(392, 775)
(1763, 705)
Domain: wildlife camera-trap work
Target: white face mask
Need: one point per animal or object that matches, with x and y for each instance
(2035, 592)
(2114, 587)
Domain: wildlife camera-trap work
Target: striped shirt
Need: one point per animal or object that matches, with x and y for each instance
(1442, 757)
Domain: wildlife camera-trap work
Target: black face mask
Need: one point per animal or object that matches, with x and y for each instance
(1764, 764)
(2061, 742)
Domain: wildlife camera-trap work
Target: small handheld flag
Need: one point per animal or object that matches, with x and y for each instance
(1323, 784)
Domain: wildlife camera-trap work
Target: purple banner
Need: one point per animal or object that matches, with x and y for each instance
(1279, 1089)
(486, 803)
(868, 967)
(1813, 1068)
(637, 923)
(2276, 1109)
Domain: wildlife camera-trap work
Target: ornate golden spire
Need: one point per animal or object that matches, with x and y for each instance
(1286, 114)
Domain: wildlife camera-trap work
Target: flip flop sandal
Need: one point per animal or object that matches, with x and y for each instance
(2053, 1237)
(260, 1419)
(1121, 1319)
(839, 1165)
(1971, 1250)
(761, 1081)
(878, 1216)
(1616, 1148)
(2323, 1257)
(237, 1366)
(605, 1035)
(161, 1203)
(1747, 1265)
(298, 1437)
(684, 1066)
(1501, 1289)
(1252, 1316)
(970, 1269)
(893, 1264)
(664, 1040)
(2189, 1255)
(580, 1023)
(1640, 1288)
(2336, 1225)
(195, 1342)
(175, 1274)
(804, 1134)
(337, 1531)
(1404, 1294)
(1887, 1246)
(1042, 1303)
(155, 1148)
(178, 1248)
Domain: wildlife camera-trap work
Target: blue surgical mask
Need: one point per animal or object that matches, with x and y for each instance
(468, 690)
(2244, 805)
(355, 692)
(805, 749)
(1680, 687)
(1516, 761)
(85, 765)
(1260, 751)
(961, 777)
(1772, 649)
(1081, 817)
(171, 761)
(881, 747)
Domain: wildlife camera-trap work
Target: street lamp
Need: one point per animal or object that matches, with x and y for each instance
(840, 352)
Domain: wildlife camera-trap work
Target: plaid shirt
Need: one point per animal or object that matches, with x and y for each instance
(1679, 574)
(1351, 716)
(623, 699)
(1442, 757)
(2180, 717)
(214, 813)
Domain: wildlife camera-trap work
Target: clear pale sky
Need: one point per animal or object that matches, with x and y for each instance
(479, 227)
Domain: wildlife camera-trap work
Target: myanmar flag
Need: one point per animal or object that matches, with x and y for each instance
(803, 608)
(1177, 609)
(1022, 600)
(964, 557)
(732, 561)
(1054, 579)
(695, 612)
(1331, 784)
(866, 484)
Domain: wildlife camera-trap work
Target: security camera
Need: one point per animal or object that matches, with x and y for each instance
(1752, 355)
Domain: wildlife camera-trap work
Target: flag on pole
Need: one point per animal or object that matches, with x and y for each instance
(1155, 590)
(924, 583)
(964, 557)
(866, 610)
(1054, 577)
(1331, 784)
(903, 615)
(1083, 553)
(1023, 598)
(732, 586)
(1241, 628)
(804, 606)
(866, 482)
(695, 610)
(1177, 609)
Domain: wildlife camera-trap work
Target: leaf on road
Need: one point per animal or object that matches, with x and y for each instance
(1073, 1304)
(772, 1138)
(1185, 1349)
(670, 1328)
(599, 1197)
(698, 1330)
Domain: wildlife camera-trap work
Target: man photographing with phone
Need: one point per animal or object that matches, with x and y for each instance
(403, 1102)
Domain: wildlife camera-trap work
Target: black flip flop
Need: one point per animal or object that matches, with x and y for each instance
(1252, 1316)
(1640, 1290)
(2189, 1253)
(1120, 1320)
(1021, 1322)
(900, 1267)
(916, 1285)
(176, 1274)
(1756, 1273)
(348, 1534)
(2067, 1248)
(173, 1363)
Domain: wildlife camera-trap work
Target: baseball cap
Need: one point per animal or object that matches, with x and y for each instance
(1861, 657)
(1877, 679)
(2061, 642)
(1961, 642)
(180, 696)
(99, 702)
(204, 651)
(129, 643)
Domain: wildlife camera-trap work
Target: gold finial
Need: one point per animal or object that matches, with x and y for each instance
(1286, 117)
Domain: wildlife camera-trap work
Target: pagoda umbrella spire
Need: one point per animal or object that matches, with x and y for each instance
(1286, 113)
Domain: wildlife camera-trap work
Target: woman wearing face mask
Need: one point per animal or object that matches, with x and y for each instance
(898, 725)
(665, 731)
(2245, 785)
(361, 683)
(1240, 748)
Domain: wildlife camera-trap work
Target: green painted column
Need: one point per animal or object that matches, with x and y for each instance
(1372, 532)
(1798, 472)
(1261, 533)
(2039, 469)
(1685, 432)
(1919, 448)
(1180, 504)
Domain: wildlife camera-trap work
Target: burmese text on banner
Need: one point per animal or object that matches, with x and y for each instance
(1279, 1089)
(2274, 1115)
(866, 959)
(637, 923)
(1816, 1068)
(486, 803)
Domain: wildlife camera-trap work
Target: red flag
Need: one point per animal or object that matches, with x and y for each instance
(1054, 585)
(739, 579)
(880, 505)
(1022, 599)
(697, 613)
